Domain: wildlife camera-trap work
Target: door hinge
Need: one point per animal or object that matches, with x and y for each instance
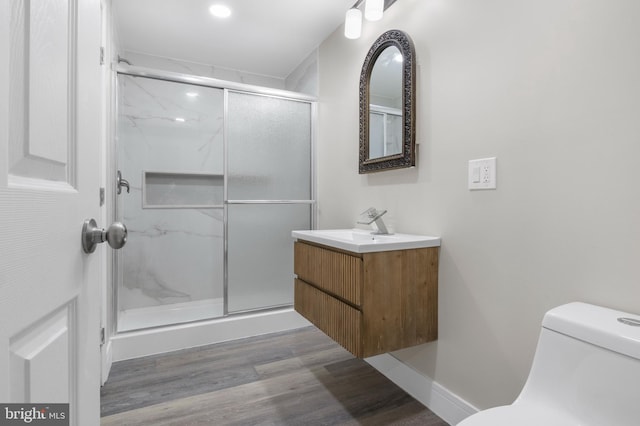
(101, 55)
(101, 197)
(103, 337)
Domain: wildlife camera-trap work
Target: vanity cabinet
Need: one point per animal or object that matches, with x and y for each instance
(370, 303)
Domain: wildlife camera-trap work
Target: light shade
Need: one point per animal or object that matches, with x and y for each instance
(353, 23)
(373, 10)
(220, 11)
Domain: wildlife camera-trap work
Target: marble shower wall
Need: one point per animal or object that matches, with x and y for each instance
(173, 133)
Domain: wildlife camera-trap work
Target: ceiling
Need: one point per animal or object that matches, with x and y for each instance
(267, 37)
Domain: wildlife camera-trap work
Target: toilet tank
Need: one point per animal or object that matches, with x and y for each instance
(587, 365)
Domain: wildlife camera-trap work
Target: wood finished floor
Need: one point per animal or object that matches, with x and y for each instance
(298, 377)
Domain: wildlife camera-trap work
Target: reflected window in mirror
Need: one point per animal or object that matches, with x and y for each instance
(387, 104)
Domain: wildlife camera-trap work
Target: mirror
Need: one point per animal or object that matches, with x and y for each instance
(387, 104)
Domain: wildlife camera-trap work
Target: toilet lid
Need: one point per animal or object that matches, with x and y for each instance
(520, 415)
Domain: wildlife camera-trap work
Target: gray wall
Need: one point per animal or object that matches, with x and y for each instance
(552, 89)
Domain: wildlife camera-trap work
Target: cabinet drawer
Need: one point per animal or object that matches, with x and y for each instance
(338, 273)
(336, 319)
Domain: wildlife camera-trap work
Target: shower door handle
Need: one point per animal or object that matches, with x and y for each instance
(120, 182)
(92, 235)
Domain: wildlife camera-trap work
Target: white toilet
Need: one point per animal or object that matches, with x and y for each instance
(586, 371)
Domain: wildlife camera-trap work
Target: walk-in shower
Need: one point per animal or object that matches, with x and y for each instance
(218, 175)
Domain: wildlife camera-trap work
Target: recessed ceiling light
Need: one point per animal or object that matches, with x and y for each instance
(192, 94)
(180, 119)
(220, 11)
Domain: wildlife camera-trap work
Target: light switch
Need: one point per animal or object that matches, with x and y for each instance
(482, 173)
(475, 174)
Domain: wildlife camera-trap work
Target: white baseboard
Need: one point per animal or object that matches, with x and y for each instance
(444, 403)
(165, 339)
(106, 361)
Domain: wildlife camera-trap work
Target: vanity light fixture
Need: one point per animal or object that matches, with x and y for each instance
(373, 11)
(220, 11)
(353, 23)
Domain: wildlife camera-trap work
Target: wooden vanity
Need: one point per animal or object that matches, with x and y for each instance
(372, 302)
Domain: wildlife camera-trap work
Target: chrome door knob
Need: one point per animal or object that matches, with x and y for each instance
(115, 235)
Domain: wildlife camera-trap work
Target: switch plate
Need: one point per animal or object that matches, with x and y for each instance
(482, 173)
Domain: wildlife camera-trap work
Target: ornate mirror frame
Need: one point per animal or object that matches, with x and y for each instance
(407, 158)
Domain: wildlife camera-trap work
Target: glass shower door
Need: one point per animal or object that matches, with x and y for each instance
(269, 195)
(170, 150)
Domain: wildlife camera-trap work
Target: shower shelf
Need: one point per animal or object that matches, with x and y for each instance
(162, 190)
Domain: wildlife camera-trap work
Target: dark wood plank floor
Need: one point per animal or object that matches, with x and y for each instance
(298, 377)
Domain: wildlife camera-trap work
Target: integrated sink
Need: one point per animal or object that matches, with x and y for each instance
(364, 241)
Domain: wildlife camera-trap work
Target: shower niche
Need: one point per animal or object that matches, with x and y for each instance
(181, 190)
(218, 178)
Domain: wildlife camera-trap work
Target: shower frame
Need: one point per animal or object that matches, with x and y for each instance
(227, 87)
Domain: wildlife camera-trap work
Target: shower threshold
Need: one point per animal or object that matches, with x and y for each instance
(169, 314)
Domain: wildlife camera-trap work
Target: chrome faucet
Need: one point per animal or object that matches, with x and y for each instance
(372, 215)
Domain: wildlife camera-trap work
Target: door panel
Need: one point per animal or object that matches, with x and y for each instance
(49, 183)
(33, 377)
(42, 52)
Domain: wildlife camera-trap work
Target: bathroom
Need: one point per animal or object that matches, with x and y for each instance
(550, 90)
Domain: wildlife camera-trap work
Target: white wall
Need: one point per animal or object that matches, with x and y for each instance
(304, 78)
(552, 89)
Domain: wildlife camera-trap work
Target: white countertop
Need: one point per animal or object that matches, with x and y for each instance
(364, 241)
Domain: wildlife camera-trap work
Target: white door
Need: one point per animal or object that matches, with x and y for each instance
(49, 184)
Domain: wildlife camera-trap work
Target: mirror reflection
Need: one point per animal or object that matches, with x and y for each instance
(387, 106)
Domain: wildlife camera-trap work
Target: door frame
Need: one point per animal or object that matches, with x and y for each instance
(109, 56)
